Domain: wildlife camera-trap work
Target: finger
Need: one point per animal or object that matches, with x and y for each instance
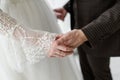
(63, 53)
(65, 48)
(58, 10)
(58, 14)
(60, 54)
(57, 52)
(56, 55)
(58, 36)
(69, 53)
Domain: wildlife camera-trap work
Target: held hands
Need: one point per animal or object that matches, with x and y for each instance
(66, 43)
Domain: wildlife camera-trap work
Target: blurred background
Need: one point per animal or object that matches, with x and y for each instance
(65, 27)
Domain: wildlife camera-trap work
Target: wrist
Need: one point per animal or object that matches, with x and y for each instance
(82, 35)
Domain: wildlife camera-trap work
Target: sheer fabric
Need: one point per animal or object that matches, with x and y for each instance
(33, 43)
(17, 40)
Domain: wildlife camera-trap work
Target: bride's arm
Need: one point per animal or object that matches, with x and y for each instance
(35, 44)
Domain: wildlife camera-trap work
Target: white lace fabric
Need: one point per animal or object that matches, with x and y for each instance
(35, 44)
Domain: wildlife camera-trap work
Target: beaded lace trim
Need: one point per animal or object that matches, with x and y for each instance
(35, 44)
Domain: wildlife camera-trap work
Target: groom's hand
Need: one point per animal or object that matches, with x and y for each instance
(73, 38)
(68, 42)
(60, 13)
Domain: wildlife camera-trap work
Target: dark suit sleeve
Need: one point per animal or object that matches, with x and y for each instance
(67, 6)
(104, 26)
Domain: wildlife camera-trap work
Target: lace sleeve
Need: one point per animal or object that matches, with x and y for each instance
(35, 44)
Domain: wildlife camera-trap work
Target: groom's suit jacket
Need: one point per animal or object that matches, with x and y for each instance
(100, 21)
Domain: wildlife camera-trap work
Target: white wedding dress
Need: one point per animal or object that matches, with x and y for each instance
(23, 50)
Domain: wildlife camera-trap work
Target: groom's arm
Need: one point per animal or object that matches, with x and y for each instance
(67, 6)
(104, 26)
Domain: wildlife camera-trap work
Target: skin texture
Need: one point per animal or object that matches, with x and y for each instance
(66, 43)
(60, 13)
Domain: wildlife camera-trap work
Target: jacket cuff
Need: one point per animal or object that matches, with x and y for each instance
(92, 35)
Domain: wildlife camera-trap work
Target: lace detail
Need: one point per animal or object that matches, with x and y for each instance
(6, 23)
(35, 44)
(38, 50)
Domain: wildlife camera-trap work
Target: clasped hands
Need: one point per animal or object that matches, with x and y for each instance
(64, 44)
